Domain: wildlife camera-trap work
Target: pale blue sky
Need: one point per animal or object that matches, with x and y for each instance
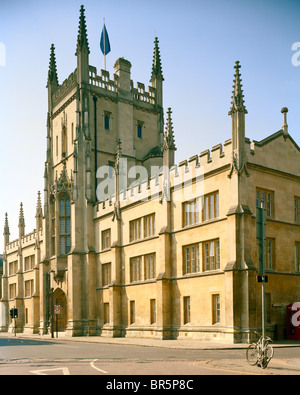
(200, 41)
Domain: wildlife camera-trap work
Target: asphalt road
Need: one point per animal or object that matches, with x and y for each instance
(55, 357)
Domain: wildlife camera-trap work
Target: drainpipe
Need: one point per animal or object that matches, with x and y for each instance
(95, 123)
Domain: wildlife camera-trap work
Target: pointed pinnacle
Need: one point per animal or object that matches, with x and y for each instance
(237, 103)
(156, 65)
(169, 140)
(21, 216)
(82, 39)
(6, 227)
(39, 210)
(52, 73)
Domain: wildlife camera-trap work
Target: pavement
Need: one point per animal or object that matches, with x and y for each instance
(191, 344)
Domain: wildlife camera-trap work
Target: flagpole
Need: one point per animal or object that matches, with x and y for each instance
(104, 44)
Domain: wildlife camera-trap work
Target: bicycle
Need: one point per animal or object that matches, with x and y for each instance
(260, 354)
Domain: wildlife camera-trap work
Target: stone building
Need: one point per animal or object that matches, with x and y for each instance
(126, 249)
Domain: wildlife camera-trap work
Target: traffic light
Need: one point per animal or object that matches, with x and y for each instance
(13, 312)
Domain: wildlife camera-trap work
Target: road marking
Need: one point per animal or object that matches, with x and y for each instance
(227, 370)
(65, 371)
(93, 366)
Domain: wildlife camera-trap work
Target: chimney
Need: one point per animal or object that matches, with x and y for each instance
(122, 70)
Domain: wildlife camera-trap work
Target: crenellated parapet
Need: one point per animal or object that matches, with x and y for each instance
(26, 241)
(103, 84)
(193, 170)
(65, 88)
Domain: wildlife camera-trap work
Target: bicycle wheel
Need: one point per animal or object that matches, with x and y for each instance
(252, 354)
(269, 352)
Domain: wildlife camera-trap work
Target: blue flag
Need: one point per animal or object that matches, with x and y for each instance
(104, 42)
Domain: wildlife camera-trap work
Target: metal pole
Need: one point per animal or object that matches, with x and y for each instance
(263, 308)
(14, 312)
(56, 319)
(104, 37)
(263, 311)
(51, 314)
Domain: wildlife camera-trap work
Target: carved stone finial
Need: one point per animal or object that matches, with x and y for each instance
(169, 140)
(156, 65)
(237, 103)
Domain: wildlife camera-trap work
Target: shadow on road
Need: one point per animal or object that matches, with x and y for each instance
(15, 342)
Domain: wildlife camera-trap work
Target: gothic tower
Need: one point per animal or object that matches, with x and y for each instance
(87, 114)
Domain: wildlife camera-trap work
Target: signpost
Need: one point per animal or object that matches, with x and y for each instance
(56, 312)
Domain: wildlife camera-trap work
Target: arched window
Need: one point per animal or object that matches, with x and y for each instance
(65, 224)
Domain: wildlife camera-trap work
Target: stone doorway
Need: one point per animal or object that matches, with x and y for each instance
(60, 320)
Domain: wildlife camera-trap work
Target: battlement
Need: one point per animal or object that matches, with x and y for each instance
(112, 86)
(180, 176)
(65, 88)
(26, 240)
(103, 80)
(105, 86)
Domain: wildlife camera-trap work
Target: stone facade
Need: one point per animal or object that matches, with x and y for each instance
(168, 255)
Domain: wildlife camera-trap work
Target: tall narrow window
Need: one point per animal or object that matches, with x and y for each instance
(191, 259)
(56, 144)
(297, 257)
(12, 290)
(211, 206)
(106, 122)
(106, 274)
(149, 267)
(215, 309)
(132, 312)
(106, 313)
(152, 311)
(136, 269)
(149, 225)
(139, 130)
(211, 254)
(28, 288)
(297, 210)
(29, 262)
(135, 229)
(186, 309)
(106, 239)
(191, 212)
(65, 224)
